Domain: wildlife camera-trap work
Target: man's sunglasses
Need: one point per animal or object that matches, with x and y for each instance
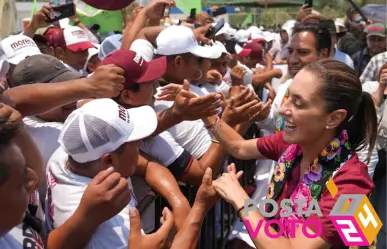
(359, 20)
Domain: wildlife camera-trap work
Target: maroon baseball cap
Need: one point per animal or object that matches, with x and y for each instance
(136, 69)
(108, 5)
(256, 50)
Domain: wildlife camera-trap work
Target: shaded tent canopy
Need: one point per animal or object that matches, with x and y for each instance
(257, 3)
(376, 12)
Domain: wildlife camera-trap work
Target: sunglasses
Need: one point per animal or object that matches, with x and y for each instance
(359, 20)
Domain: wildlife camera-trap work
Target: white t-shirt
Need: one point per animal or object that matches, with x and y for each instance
(21, 237)
(45, 135)
(191, 135)
(64, 193)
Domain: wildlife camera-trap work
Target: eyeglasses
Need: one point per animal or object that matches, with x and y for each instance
(359, 20)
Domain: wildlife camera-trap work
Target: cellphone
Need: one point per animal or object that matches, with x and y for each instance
(192, 15)
(167, 10)
(219, 11)
(62, 11)
(309, 3)
(215, 29)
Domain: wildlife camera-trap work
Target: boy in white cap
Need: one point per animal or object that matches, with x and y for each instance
(99, 136)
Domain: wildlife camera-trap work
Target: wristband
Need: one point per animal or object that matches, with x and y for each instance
(239, 211)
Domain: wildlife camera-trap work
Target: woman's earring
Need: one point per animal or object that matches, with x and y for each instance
(200, 73)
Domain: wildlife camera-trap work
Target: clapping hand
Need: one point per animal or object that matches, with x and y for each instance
(188, 106)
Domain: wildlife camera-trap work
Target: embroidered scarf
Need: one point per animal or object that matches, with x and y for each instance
(332, 157)
(279, 120)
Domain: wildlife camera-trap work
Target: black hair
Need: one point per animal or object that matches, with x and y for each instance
(8, 131)
(350, 12)
(342, 89)
(322, 35)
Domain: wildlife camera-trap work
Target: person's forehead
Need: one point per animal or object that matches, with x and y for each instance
(303, 39)
(12, 156)
(305, 85)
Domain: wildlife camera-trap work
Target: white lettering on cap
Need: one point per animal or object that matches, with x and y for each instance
(138, 59)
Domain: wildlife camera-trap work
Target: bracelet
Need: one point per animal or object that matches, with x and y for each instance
(211, 126)
(215, 141)
(239, 211)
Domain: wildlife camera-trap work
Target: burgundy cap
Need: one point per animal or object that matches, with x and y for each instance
(245, 52)
(55, 37)
(136, 69)
(256, 50)
(108, 5)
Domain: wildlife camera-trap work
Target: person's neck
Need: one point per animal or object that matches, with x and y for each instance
(312, 150)
(90, 173)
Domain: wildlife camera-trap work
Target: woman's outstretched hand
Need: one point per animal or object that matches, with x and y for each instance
(229, 188)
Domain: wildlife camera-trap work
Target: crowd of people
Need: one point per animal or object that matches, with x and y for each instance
(91, 127)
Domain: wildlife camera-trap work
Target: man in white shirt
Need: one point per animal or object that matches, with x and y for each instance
(99, 135)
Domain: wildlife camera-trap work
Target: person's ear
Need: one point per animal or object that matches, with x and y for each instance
(178, 61)
(106, 161)
(59, 53)
(336, 118)
(126, 97)
(90, 67)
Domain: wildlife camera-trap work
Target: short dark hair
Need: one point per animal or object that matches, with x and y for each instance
(322, 35)
(8, 131)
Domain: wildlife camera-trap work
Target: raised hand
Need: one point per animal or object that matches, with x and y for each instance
(214, 77)
(241, 108)
(11, 116)
(200, 34)
(169, 92)
(228, 186)
(237, 74)
(383, 75)
(155, 10)
(188, 106)
(39, 18)
(106, 82)
(303, 12)
(105, 196)
(158, 240)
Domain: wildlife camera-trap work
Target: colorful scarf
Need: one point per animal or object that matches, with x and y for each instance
(279, 120)
(332, 157)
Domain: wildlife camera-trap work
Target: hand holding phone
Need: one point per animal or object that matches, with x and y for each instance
(62, 11)
(215, 29)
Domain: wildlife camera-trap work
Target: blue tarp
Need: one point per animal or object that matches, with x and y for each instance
(376, 12)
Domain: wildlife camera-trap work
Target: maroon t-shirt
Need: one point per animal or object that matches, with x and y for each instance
(351, 178)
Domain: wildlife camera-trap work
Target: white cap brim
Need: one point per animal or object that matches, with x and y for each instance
(18, 58)
(4, 68)
(203, 52)
(144, 122)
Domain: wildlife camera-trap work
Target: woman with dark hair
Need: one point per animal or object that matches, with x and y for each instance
(327, 118)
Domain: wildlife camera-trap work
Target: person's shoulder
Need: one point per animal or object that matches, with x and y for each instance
(356, 172)
(36, 122)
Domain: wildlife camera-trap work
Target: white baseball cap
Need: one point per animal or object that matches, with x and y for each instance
(180, 40)
(76, 39)
(221, 48)
(16, 48)
(102, 126)
(109, 45)
(93, 51)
